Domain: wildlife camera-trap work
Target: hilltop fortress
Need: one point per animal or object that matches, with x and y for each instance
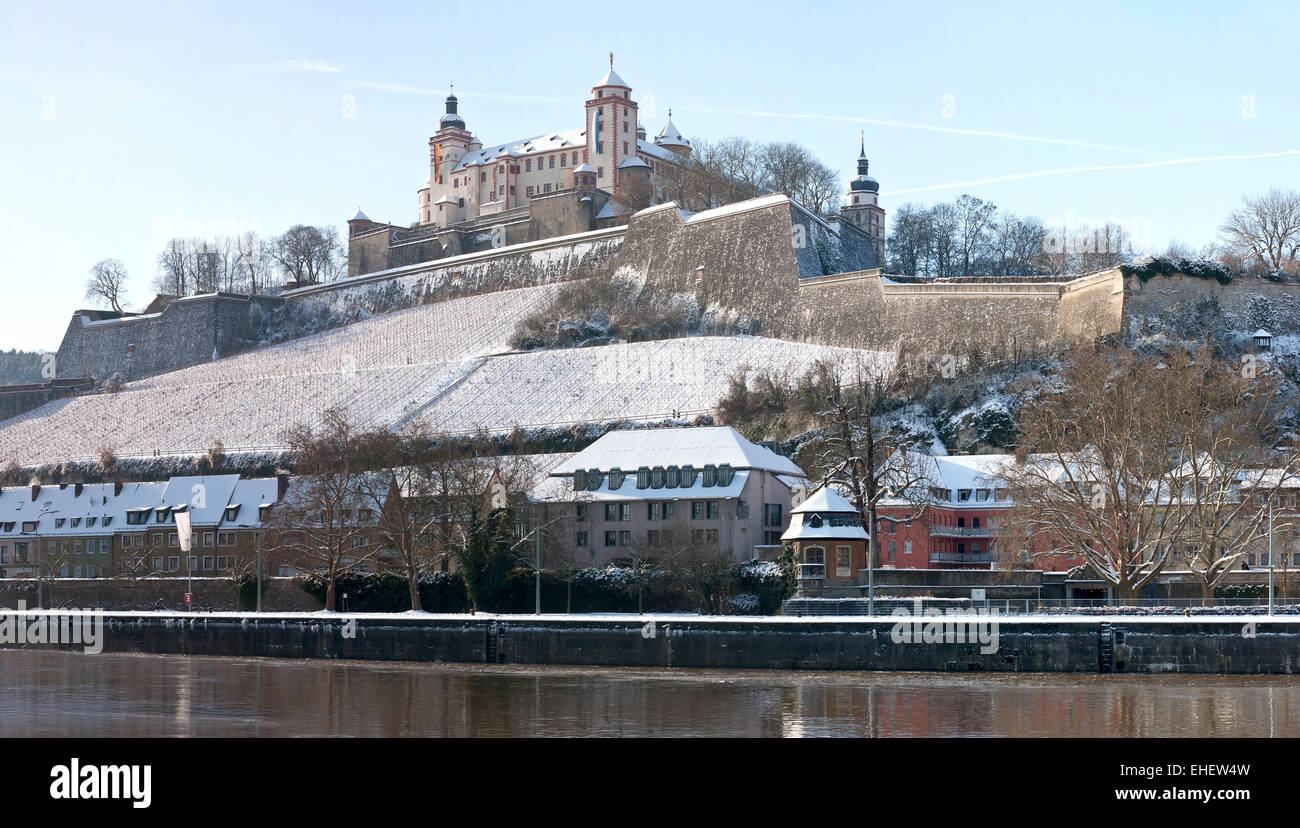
(429, 339)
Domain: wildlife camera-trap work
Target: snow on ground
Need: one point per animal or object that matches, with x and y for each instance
(442, 363)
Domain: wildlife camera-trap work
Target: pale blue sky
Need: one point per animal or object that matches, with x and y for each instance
(121, 123)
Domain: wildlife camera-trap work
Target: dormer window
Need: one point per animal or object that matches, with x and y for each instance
(657, 477)
(76, 522)
(232, 512)
(579, 480)
(108, 520)
(963, 495)
(672, 477)
(264, 511)
(643, 477)
(688, 476)
(616, 478)
(135, 517)
(710, 476)
(725, 474)
(162, 514)
(90, 521)
(58, 522)
(594, 478)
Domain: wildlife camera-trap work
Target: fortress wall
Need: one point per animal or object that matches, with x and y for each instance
(1166, 297)
(186, 332)
(754, 269)
(516, 266)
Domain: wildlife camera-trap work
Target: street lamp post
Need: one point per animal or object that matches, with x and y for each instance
(259, 571)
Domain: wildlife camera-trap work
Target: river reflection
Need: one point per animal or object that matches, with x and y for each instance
(65, 694)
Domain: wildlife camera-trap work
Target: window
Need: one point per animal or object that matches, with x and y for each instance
(625, 142)
(575, 158)
(611, 511)
(173, 562)
(225, 539)
(963, 495)
(582, 539)
(624, 537)
(843, 561)
(528, 166)
(771, 514)
(981, 495)
(611, 538)
(191, 563)
(625, 511)
(58, 523)
(552, 164)
(725, 474)
(564, 160)
(670, 510)
(697, 510)
(893, 527)
(582, 512)
(173, 540)
(893, 550)
(529, 192)
(600, 172)
(672, 477)
(207, 538)
(657, 477)
(616, 478)
(710, 476)
(158, 563)
(654, 510)
(712, 510)
(546, 189)
(814, 555)
(742, 509)
(643, 477)
(207, 563)
(482, 177)
(907, 547)
(688, 476)
(358, 543)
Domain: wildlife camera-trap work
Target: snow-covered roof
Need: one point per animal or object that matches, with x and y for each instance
(611, 79)
(804, 529)
(446, 199)
(825, 499)
(656, 151)
(632, 162)
(567, 139)
(612, 209)
(360, 216)
(68, 510)
(585, 168)
(206, 496)
(629, 449)
(1262, 332)
(250, 496)
(669, 136)
(560, 489)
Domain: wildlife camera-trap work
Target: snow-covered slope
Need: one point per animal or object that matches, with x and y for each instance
(443, 364)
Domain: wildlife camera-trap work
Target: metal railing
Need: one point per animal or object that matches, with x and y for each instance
(960, 557)
(961, 531)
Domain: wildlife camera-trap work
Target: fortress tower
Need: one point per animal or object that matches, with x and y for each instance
(861, 205)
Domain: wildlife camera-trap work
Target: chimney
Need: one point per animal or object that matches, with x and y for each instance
(36, 490)
(281, 485)
(117, 488)
(78, 489)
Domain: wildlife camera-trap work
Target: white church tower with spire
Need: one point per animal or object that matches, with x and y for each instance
(861, 204)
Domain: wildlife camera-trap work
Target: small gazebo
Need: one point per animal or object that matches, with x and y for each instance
(1263, 340)
(830, 542)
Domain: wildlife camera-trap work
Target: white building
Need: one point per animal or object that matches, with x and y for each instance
(644, 491)
(469, 179)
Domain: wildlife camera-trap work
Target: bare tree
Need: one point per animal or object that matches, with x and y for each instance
(325, 518)
(974, 217)
(1266, 228)
(108, 282)
(860, 452)
(1117, 464)
(307, 255)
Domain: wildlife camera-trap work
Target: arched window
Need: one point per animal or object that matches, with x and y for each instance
(814, 555)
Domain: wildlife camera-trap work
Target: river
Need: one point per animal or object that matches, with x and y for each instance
(48, 693)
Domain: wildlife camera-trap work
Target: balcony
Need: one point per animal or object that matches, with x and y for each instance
(961, 557)
(961, 532)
